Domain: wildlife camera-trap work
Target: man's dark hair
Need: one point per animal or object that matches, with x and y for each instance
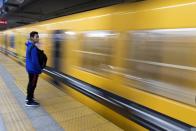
(32, 34)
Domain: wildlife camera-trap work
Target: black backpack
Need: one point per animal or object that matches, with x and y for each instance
(41, 56)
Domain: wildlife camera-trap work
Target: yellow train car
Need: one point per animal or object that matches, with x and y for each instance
(141, 55)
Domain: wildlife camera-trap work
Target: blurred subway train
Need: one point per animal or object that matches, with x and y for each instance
(142, 52)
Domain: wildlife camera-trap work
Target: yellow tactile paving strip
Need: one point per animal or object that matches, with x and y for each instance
(13, 116)
(67, 112)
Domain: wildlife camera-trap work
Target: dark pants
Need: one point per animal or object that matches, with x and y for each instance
(31, 86)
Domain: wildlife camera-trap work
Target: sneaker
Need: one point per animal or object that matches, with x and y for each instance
(31, 104)
(27, 99)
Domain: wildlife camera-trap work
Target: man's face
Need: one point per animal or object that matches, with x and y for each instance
(35, 39)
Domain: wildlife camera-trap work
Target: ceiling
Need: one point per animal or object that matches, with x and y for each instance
(21, 12)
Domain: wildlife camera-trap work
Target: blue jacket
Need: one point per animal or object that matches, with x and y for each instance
(32, 62)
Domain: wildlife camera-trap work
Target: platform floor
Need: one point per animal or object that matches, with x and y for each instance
(57, 111)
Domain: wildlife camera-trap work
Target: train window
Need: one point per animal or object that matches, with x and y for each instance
(97, 51)
(12, 41)
(58, 40)
(162, 62)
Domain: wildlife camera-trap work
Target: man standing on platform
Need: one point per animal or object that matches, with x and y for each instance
(33, 67)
